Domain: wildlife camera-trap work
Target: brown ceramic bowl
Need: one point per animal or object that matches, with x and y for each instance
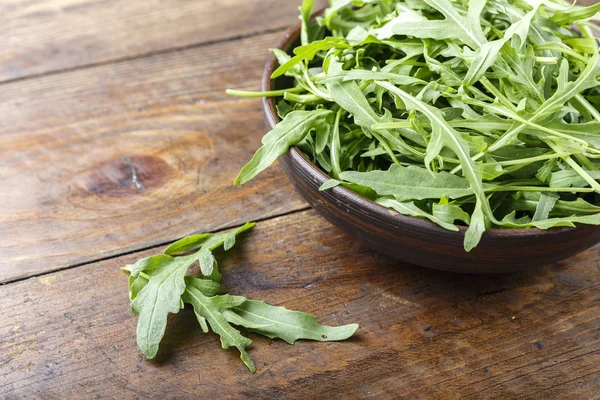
(414, 240)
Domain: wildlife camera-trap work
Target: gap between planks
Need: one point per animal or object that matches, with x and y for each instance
(160, 244)
(139, 56)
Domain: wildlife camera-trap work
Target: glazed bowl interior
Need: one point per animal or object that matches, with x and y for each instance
(411, 239)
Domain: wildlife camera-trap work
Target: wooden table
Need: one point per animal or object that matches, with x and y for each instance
(116, 137)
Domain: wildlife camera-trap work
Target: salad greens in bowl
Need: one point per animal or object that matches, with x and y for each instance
(458, 135)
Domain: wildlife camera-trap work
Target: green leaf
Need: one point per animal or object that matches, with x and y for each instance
(469, 27)
(411, 183)
(210, 309)
(349, 96)
(567, 90)
(290, 131)
(136, 285)
(574, 14)
(570, 178)
(409, 208)
(328, 184)
(364, 75)
(308, 52)
(334, 7)
(157, 283)
(159, 297)
(278, 322)
(207, 261)
(450, 213)
(208, 241)
(283, 58)
(545, 205)
(236, 319)
(208, 287)
(306, 10)
(188, 243)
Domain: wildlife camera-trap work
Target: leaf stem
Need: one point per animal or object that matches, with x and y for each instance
(270, 93)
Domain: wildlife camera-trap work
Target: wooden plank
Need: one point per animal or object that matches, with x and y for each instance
(40, 36)
(129, 155)
(423, 334)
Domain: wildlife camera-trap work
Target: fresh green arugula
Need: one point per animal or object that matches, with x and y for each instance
(160, 284)
(478, 113)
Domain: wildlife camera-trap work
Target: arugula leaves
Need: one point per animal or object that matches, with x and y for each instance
(479, 113)
(160, 284)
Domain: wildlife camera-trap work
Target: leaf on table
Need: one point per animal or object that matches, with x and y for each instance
(210, 309)
(207, 286)
(136, 285)
(209, 241)
(159, 297)
(279, 322)
(156, 283)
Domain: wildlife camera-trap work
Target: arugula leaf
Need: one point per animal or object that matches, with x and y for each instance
(544, 206)
(279, 322)
(469, 27)
(330, 183)
(210, 308)
(306, 10)
(208, 241)
(292, 130)
(159, 297)
(410, 208)
(308, 52)
(449, 213)
(574, 14)
(349, 96)
(411, 183)
(336, 5)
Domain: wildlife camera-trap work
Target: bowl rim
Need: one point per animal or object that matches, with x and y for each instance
(344, 193)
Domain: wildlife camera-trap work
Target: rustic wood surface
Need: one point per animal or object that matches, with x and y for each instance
(71, 145)
(41, 36)
(116, 137)
(423, 333)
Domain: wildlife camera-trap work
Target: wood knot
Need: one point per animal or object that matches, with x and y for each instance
(128, 176)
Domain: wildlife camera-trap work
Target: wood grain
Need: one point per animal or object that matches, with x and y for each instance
(128, 155)
(40, 36)
(423, 334)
